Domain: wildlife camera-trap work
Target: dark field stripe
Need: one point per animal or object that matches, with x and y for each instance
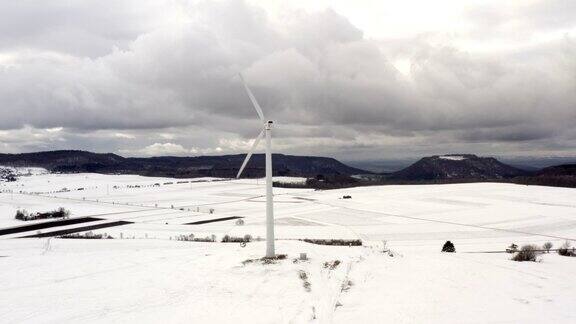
(79, 229)
(213, 220)
(39, 226)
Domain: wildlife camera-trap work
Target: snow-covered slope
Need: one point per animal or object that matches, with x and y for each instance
(148, 276)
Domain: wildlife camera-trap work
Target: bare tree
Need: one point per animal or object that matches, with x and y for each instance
(547, 246)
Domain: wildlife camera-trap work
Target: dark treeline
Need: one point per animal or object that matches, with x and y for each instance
(343, 181)
(224, 166)
(551, 181)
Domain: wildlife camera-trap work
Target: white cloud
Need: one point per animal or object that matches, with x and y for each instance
(163, 74)
(54, 129)
(124, 136)
(161, 149)
(170, 149)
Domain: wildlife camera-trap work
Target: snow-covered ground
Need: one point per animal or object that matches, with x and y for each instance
(452, 157)
(150, 277)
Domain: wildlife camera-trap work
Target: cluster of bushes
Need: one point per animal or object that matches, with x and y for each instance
(565, 250)
(291, 185)
(334, 242)
(226, 239)
(23, 215)
(191, 238)
(529, 252)
(231, 239)
(7, 175)
(332, 182)
(88, 235)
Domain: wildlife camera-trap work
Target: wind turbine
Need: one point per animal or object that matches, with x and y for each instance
(267, 132)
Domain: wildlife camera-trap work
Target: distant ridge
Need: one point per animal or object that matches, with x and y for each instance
(457, 167)
(555, 176)
(559, 170)
(225, 166)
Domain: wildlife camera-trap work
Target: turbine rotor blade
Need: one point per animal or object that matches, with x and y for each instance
(253, 99)
(256, 141)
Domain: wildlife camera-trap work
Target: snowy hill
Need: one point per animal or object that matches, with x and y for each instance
(457, 167)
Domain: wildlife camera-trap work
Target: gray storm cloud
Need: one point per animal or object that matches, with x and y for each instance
(130, 81)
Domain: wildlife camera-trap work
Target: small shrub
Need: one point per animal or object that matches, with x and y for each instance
(346, 285)
(21, 214)
(304, 277)
(513, 248)
(332, 264)
(448, 247)
(547, 246)
(527, 253)
(61, 213)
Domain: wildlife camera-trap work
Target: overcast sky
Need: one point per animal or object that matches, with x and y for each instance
(350, 79)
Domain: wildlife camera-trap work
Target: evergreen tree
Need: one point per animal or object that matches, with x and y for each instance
(448, 247)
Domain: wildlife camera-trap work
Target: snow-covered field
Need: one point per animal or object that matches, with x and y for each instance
(148, 276)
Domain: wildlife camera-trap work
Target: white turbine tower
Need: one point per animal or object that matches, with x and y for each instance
(267, 131)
